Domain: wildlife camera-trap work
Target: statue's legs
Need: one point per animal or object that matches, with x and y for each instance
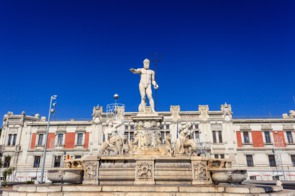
(149, 95)
(141, 107)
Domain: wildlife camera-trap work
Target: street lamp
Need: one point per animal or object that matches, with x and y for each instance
(51, 110)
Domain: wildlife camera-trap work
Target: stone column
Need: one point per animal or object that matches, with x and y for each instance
(144, 171)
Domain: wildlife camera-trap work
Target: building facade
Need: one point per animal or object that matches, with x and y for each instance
(264, 146)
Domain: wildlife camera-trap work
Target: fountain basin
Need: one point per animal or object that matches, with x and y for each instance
(66, 175)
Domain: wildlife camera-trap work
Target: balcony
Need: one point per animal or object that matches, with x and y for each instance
(59, 146)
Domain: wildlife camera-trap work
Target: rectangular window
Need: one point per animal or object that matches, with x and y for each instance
(163, 136)
(267, 137)
(214, 136)
(216, 156)
(57, 161)
(80, 139)
(60, 139)
(14, 140)
(7, 161)
(167, 126)
(78, 157)
(37, 161)
(249, 159)
(9, 139)
(246, 137)
(131, 136)
(40, 140)
(197, 136)
(126, 127)
(132, 127)
(293, 160)
(276, 177)
(220, 136)
(289, 136)
(126, 137)
(272, 161)
(252, 177)
(222, 156)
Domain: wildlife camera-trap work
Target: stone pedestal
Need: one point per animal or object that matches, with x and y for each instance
(147, 135)
(90, 166)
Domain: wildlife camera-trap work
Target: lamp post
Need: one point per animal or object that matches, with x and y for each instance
(51, 110)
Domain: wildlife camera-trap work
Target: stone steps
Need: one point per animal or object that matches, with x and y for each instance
(142, 190)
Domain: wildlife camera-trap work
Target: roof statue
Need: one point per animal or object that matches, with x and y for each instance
(147, 78)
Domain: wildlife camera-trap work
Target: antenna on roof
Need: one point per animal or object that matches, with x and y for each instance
(156, 60)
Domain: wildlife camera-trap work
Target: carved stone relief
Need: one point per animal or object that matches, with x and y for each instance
(200, 172)
(203, 112)
(90, 169)
(144, 170)
(175, 110)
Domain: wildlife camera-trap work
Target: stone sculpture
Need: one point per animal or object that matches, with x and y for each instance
(185, 145)
(147, 77)
(166, 149)
(114, 143)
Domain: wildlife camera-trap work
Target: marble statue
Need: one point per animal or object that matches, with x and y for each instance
(114, 143)
(147, 77)
(184, 144)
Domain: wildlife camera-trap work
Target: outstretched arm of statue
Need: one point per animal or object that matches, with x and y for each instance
(118, 125)
(135, 71)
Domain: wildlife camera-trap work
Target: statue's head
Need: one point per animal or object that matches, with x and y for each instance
(146, 63)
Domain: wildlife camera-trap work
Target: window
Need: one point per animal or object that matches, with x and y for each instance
(78, 157)
(7, 161)
(37, 161)
(252, 177)
(216, 156)
(40, 140)
(196, 135)
(289, 136)
(272, 161)
(126, 127)
(214, 137)
(293, 160)
(132, 127)
(267, 137)
(249, 159)
(167, 126)
(220, 136)
(60, 137)
(276, 177)
(80, 139)
(196, 126)
(57, 161)
(163, 136)
(14, 140)
(246, 137)
(222, 156)
(128, 136)
(11, 140)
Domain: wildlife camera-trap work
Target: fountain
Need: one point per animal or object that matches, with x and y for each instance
(146, 165)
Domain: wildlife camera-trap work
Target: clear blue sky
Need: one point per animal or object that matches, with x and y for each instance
(210, 52)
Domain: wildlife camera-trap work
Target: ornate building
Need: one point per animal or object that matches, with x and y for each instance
(264, 146)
